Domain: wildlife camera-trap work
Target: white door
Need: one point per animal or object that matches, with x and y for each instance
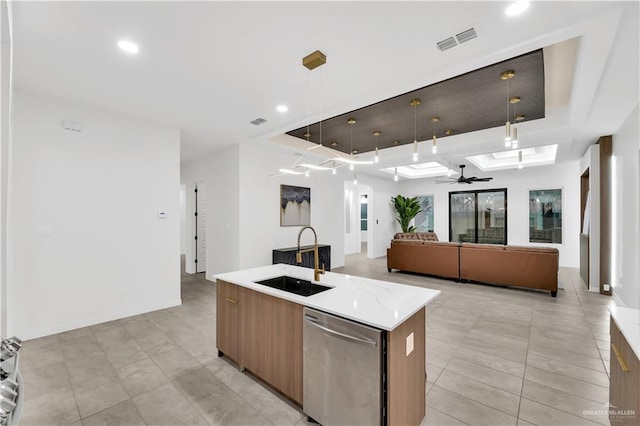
(201, 227)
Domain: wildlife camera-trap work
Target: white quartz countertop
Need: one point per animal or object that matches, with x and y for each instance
(380, 304)
(628, 321)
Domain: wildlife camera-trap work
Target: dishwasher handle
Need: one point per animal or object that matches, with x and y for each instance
(364, 341)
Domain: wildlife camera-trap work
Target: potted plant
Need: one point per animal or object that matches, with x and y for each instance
(406, 209)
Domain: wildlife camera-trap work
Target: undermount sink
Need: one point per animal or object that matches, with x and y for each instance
(294, 285)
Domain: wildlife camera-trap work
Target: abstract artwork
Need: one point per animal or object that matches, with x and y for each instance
(424, 219)
(295, 206)
(545, 216)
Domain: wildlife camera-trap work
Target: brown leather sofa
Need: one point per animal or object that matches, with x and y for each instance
(531, 267)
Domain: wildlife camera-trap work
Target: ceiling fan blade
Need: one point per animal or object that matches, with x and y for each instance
(483, 179)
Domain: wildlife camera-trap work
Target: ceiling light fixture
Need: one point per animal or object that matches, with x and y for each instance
(355, 178)
(520, 165)
(351, 122)
(516, 118)
(395, 175)
(516, 8)
(414, 103)
(376, 157)
(128, 46)
(282, 108)
(507, 75)
(434, 144)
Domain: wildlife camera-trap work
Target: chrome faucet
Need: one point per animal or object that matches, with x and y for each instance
(316, 269)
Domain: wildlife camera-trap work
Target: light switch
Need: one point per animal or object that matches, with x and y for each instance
(409, 344)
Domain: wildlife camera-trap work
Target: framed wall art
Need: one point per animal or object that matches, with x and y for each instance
(295, 205)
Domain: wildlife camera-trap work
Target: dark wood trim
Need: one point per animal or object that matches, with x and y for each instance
(606, 153)
(584, 239)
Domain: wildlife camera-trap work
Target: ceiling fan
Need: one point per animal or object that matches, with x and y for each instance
(463, 179)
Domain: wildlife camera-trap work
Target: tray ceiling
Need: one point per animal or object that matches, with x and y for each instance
(466, 103)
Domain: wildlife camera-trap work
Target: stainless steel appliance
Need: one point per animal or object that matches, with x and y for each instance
(11, 387)
(344, 380)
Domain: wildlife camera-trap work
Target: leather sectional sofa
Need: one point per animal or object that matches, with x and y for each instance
(530, 267)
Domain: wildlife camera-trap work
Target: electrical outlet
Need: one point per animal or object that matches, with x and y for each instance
(606, 287)
(409, 346)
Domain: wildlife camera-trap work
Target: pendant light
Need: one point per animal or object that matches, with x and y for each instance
(520, 165)
(434, 144)
(376, 158)
(351, 122)
(514, 132)
(395, 175)
(355, 178)
(507, 75)
(414, 103)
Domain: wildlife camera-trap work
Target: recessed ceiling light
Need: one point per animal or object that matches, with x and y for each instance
(516, 8)
(282, 108)
(128, 46)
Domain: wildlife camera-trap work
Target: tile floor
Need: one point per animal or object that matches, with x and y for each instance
(494, 356)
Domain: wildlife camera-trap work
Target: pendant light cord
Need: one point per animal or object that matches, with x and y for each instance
(507, 100)
(415, 125)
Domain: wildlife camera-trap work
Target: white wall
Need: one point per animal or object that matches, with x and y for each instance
(184, 236)
(382, 223)
(351, 223)
(259, 211)
(626, 220)
(87, 244)
(518, 184)
(6, 97)
(219, 171)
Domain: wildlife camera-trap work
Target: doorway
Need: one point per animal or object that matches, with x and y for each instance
(364, 222)
(200, 227)
(194, 229)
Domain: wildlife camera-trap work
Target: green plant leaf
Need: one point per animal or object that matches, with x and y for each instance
(406, 209)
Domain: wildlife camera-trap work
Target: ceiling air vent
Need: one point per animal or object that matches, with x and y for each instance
(467, 35)
(446, 44)
(258, 121)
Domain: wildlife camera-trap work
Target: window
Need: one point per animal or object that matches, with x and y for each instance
(424, 219)
(478, 216)
(545, 216)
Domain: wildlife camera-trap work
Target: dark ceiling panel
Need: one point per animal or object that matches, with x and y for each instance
(469, 102)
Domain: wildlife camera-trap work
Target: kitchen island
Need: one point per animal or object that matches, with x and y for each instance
(260, 328)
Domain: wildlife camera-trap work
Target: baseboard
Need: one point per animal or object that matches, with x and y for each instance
(100, 319)
(618, 301)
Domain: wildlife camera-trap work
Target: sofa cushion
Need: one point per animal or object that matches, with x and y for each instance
(407, 241)
(441, 244)
(483, 246)
(533, 249)
(425, 236)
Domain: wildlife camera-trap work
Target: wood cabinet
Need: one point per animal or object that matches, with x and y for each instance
(270, 341)
(262, 334)
(624, 387)
(227, 319)
(406, 372)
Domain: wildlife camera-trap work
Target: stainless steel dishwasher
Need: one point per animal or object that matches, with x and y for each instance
(343, 371)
